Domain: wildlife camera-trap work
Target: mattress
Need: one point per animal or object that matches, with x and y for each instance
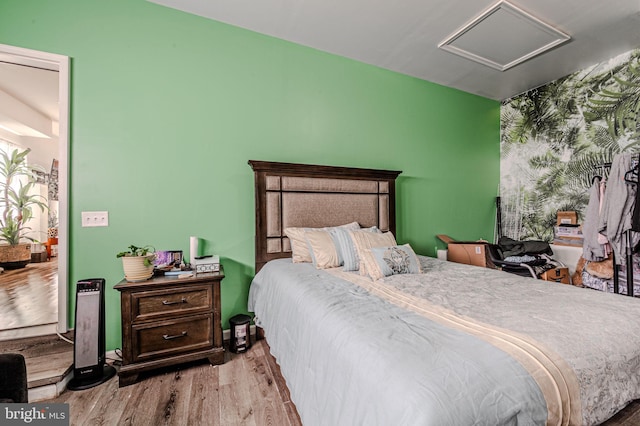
(436, 348)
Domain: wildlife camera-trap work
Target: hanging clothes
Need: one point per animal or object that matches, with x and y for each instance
(635, 219)
(601, 238)
(619, 200)
(592, 249)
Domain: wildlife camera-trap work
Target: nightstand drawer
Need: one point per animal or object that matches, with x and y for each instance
(165, 338)
(149, 305)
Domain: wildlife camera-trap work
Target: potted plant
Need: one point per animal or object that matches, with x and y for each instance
(137, 263)
(17, 180)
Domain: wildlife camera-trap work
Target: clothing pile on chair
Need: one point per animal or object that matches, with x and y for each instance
(525, 258)
(511, 247)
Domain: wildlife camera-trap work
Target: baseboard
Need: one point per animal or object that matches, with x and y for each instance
(112, 355)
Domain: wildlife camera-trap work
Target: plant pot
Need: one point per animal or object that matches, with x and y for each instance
(14, 257)
(135, 269)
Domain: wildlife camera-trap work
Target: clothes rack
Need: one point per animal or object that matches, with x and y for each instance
(631, 177)
(629, 266)
(603, 168)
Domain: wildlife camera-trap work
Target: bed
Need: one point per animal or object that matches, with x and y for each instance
(450, 344)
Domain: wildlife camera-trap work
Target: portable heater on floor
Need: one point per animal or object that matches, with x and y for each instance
(89, 358)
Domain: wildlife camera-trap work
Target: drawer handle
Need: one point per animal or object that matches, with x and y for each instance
(166, 302)
(175, 336)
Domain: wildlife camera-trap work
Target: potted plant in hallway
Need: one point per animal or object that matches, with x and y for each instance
(17, 180)
(137, 263)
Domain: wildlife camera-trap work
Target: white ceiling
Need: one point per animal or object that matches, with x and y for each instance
(404, 35)
(28, 99)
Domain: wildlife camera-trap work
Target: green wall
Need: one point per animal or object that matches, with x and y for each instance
(167, 107)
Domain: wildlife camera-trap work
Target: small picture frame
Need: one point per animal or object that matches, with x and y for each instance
(168, 258)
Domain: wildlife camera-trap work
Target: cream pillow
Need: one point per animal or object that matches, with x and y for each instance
(299, 247)
(299, 251)
(323, 251)
(364, 240)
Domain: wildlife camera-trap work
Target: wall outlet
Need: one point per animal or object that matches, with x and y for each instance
(91, 219)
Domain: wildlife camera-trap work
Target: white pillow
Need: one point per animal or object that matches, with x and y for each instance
(299, 246)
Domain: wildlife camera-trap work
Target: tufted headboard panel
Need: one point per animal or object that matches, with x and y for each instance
(303, 195)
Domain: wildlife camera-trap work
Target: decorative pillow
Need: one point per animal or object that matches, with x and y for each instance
(346, 249)
(381, 262)
(299, 247)
(364, 240)
(323, 250)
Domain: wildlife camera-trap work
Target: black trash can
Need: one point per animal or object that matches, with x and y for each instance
(240, 339)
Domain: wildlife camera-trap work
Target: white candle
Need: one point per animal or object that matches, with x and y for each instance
(193, 248)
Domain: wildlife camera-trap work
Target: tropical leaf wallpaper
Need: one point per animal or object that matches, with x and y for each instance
(555, 138)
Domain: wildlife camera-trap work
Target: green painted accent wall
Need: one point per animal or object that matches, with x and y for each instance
(168, 107)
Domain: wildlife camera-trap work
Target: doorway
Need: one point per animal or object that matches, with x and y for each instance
(34, 114)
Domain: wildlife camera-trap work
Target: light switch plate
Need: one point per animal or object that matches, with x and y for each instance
(93, 219)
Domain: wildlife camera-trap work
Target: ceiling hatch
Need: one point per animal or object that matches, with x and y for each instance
(503, 36)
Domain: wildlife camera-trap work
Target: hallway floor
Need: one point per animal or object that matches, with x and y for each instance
(29, 296)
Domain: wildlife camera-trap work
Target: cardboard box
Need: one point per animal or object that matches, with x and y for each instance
(559, 275)
(467, 252)
(567, 218)
(568, 230)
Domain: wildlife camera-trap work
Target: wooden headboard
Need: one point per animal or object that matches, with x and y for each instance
(304, 195)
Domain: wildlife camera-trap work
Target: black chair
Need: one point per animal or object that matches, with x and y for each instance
(524, 269)
(13, 379)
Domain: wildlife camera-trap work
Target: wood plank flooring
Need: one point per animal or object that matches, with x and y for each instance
(29, 295)
(629, 416)
(247, 389)
(48, 358)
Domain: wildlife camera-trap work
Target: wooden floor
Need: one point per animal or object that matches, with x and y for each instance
(247, 389)
(29, 295)
(48, 358)
(629, 416)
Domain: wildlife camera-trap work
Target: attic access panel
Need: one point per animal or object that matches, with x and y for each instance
(503, 36)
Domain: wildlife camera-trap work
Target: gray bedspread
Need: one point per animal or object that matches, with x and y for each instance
(351, 357)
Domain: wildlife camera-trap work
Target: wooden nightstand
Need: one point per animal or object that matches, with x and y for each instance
(169, 320)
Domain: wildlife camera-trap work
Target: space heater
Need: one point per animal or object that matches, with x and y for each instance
(89, 359)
